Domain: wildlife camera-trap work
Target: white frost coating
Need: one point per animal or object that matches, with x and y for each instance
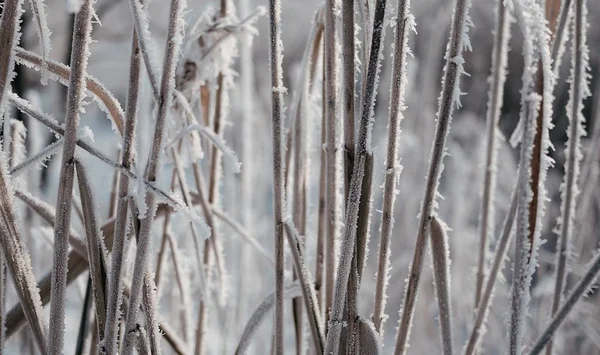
(245, 28)
(37, 159)
(9, 37)
(174, 39)
(561, 34)
(17, 147)
(17, 259)
(369, 340)
(577, 94)
(496, 80)
(215, 139)
(405, 23)
(60, 73)
(579, 91)
(450, 84)
(532, 21)
(141, 21)
(39, 15)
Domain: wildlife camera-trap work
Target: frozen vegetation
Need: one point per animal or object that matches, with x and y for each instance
(299, 177)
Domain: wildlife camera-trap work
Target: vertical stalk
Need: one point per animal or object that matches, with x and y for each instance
(393, 169)
(452, 72)
(349, 88)
(95, 246)
(441, 272)
(79, 59)
(334, 177)
(277, 89)
(486, 298)
(579, 91)
(582, 287)
(495, 98)
(363, 150)
(108, 342)
(9, 37)
(348, 115)
(536, 93)
(322, 208)
(164, 104)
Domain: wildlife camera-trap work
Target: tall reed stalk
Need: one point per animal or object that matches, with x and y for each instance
(495, 98)
(450, 88)
(164, 104)
(334, 171)
(363, 150)
(277, 90)
(79, 59)
(404, 22)
(570, 191)
(109, 336)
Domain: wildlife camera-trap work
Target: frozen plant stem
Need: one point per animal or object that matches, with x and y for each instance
(363, 150)
(290, 291)
(348, 63)
(61, 73)
(9, 37)
(322, 209)
(349, 88)
(441, 275)
(95, 246)
(537, 78)
(495, 98)
(490, 283)
(309, 297)
(450, 86)
(150, 306)
(166, 94)
(19, 263)
(277, 89)
(79, 59)
(334, 171)
(579, 290)
(115, 289)
(579, 91)
(398, 87)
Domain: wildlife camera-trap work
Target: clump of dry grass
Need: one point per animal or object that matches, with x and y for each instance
(203, 267)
